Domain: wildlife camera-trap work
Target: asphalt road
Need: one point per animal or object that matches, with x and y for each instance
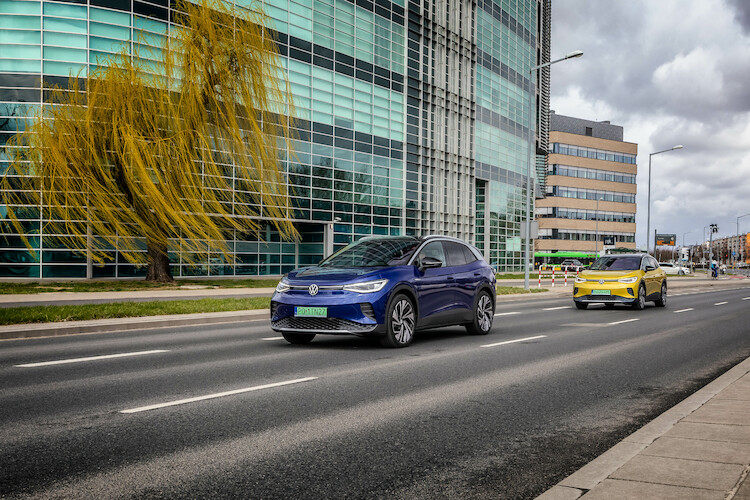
(453, 416)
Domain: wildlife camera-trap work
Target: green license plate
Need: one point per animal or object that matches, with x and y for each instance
(600, 292)
(311, 312)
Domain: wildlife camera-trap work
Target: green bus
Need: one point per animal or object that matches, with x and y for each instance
(552, 260)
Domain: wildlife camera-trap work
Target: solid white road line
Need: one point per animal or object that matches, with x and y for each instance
(721, 303)
(514, 341)
(273, 338)
(91, 358)
(507, 314)
(624, 321)
(685, 310)
(217, 395)
(556, 308)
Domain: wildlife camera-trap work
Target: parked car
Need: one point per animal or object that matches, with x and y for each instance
(388, 287)
(674, 268)
(621, 279)
(571, 265)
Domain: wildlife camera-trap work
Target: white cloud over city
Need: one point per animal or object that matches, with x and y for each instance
(670, 72)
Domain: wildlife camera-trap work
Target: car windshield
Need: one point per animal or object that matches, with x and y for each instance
(609, 263)
(373, 253)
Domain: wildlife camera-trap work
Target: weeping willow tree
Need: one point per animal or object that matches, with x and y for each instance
(186, 150)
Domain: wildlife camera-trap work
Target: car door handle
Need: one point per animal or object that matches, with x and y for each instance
(477, 274)
(450, 277)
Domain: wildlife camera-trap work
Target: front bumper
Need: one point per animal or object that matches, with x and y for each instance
(347, 313)
(619, 293)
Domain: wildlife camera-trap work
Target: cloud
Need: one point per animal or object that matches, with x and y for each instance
(670, 72)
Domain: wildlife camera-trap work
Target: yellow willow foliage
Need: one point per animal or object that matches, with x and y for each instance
(189, 154)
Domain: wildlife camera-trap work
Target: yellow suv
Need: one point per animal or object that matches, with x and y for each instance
(631, 278)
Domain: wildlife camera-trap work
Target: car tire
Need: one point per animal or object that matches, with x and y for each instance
(298, 338)
(640, 301)
(681, 272)
(581, 305)
(400, 322)
(484, 313)
(662, 301)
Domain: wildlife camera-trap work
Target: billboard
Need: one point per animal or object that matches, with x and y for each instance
(666, 240)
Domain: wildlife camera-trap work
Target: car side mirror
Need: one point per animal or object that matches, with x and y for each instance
(650, 268)
(430, 263)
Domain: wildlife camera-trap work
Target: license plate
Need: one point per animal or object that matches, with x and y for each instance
(600, 292)
(311, 312)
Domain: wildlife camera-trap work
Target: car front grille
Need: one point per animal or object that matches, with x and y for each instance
(321, 325)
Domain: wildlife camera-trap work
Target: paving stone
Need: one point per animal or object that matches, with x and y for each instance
(711, 432)
(695, 449)
(730, 404)
(743, 492)
(717, 415)
(679, 472)
(612, 489)
(591, 474)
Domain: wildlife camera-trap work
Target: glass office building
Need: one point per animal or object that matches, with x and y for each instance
(412, 118)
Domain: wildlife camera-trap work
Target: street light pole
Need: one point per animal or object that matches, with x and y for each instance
(596, 239)
(648, 207)
(738, 236)
(532, 155)
(683, 246)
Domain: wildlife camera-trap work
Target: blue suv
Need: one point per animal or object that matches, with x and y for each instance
(387, 287)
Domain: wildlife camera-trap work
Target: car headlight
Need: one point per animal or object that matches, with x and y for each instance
(628, 280)
(283, 286)
(366, 286)
(580, 280)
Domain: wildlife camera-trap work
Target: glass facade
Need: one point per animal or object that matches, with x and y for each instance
(412, 119)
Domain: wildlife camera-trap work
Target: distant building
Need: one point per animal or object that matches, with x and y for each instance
(590, 188)
(732, 249)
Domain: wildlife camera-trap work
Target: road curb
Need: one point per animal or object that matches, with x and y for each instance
(592, 474)
(36, 330)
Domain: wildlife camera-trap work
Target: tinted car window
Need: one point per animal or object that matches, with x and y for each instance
(373, 253)
(470, 257)
(610, 263)
(455, 253)
(434, 250)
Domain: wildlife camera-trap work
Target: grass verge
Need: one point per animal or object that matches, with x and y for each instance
(132, 285)
(510, 290)
(46, 314)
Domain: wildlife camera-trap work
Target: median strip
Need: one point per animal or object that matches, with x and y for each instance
(684, 310)
(514, 341)
(623, 321)
(90, 358)
(217, 395)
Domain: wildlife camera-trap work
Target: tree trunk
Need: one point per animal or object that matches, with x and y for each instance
(158, 264)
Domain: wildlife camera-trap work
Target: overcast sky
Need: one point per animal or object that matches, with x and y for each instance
(670, 72)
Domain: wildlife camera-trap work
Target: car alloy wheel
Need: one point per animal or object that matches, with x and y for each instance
(662, 301)
(483, 315)
(400, 323)
(640, 302)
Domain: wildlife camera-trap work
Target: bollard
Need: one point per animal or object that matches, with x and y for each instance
(540, 279)
(566, 277)
(553, 276)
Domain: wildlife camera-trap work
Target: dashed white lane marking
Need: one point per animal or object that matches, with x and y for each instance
(624, 321)
(685, 310)
(508, 313)
(217, 395)
(746, 298)
(90, 358)
(514, 341)
(273, 338)
(721, 303)
(555, 308)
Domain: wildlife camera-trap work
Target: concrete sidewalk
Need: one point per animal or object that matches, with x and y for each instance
(699, 449)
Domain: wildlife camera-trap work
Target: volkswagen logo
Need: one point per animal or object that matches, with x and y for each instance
(601, 282)
(313, 289)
